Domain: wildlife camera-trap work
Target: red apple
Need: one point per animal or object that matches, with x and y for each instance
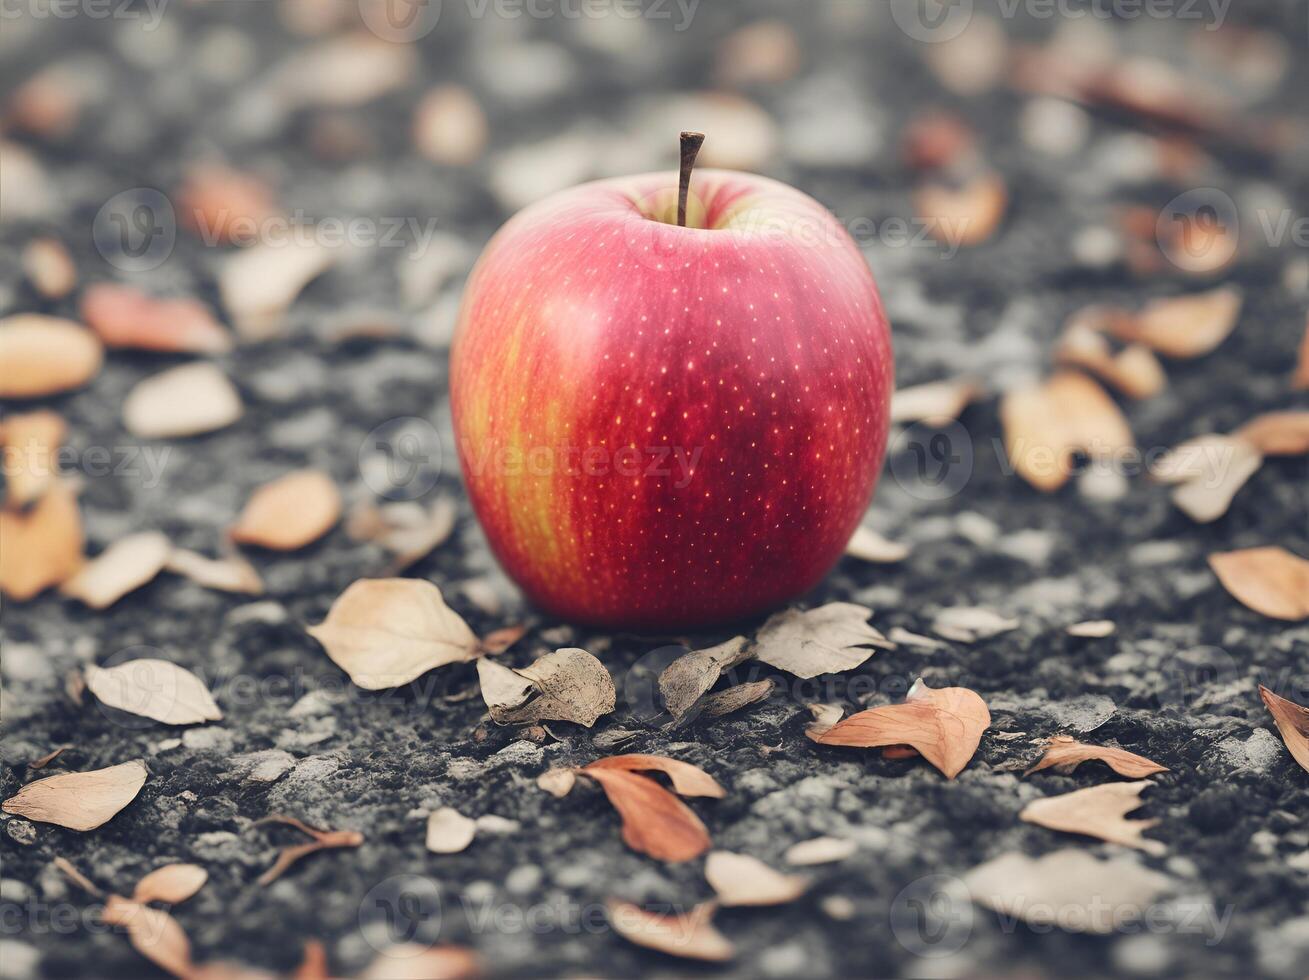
(664, 427)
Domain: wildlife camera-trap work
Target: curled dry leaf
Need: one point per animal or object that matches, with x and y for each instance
(743, 880)
(825, 640)
(1045, 425)
(688, 780)
(968, 624)
(1208, 472)
(171, 884)
(944, 725)
(48, 758)
(688, 678)
(557, 782)
(966, 215)
(735, 698)
(690, 936)
(1277, 433)
(1071, 889)
(153, 933)
(449, 831)
(40, 547)
(450, 127)
(655, 822)
(1097, 811)
(1271, 581)
(1092, 629)
(386, 632)
(44, 355)
(867, 545)
(155, 689)
(567, 685)
(127, 317)
(1135, 370)
(30, 442)
(259, 284)
(123, 567)
(322, 840)
(79, 800)
(936, 402)
(411, 961)
(224, 207)
(820, 850)
(182, 401)
(291, 512)
(230, 574)
(1184, 326)
(1292, 721)
(49, 267)
(1063, 753)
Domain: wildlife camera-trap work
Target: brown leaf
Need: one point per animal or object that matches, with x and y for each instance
(1300, 380)
(1277, 433)
(966, 215)
(123, 567)
(293, 511)
(44, 355)
(183, 401)
(655, 822)
(1292, 721)
(1045, 425)
(1271, 580)
(449, 831)
(79, 800)
(1184, 326)
(867, 545)
(48, 758)
(688, 678)
(937, 139)
(322, 840)
(224, 207)
(49, 267)
(170, 884)
(41, 547)
(153, 933)
(450, 126)
(65, 867)
(825, 640)
(410, 961)
(743, 880)
(690, 935)
(687, 780)
(127, 317)
(155, 689)
(386, 632)
(1064, 754)
(31, 444)
(945, 725)
(230, 574)
(936, 402)
(1097, 811)
(567, 685)
(735, 698)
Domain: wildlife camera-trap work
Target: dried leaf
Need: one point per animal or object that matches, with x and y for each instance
(322, 840)
(825, 716)
(1135, 370)
(966, 215)
(1092, 629)
(1271, 580)
(123, 567)
(155, 689)
(65, 867)
(224, 207)
(567, 685)
(230, 574)
(688, 678)
(1277, 433)
(1097, 811)
(1064, 754)
(831, 638)
(449, 831)
(260, 283)
(743, 880)
(1070, 888)
(1300, 380)
(171, 884)
(935, 402)
(48, 758)
(557, 782)
(291, 512)
(153, 933)
(1208, 471)
(410, 961)
(1184, 326)
(49, 267)
(79, 800)
(41, 547)
(968, 624)
(1045, 425)
(820, 850)
(735, 698)
(498, 641)
(386, 632)
(1292, 721)
(450, 127)
(411, 543)
(655, 822)
(688, 780)
(691, 935)
(761, 52)
(182, 401)
(868, 545)
(127, 317)
(44, 355)
(31, 444)
(945, 725)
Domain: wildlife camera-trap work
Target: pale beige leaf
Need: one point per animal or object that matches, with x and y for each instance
(963, 215)
(386, 632)
(1271, 580)
(42, 546)
(831, 638)
(743, 880)
(183, 401)
(31, 442)
(690, 936)
(1184, 326)
(820, 850)
(557, 782)
(230, 574)
(449, 126)
(449, 831)
(349, 69)
(1135, 370)
(688, 678)
(153, 933)
(1292, 721)
(867, 545)
(155, 689)
(825, 716)
(49, 267)
(1097, 811)
(944, 725)
(498, 641)
(936, 401)
(44, 355)
(123, 567)
(1206, 497)
(259, 283)
(79, 800)
(1277, 433)
(1070, 888)
(1092, 628)
(567, 685)
(412, 961)
(968, 624)
(1064, 754)
(124, 316)
(291, 512)
(655, 822)
(171, 884)
(412, 542)
(688, 780)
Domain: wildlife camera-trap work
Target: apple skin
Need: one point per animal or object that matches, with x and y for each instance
(666, 427)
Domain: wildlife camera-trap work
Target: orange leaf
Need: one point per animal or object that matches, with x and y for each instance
(1184, 326)
(688, 780)
(127, 317)
(293, 511)
(655, 822)
(153, 933)
(1064, 754)
(1300, 379)
(31, 444)
(42, 547)
(1271, 580)
(1097, 811)
(44, 355)
(1293, 722)
(690, 935)
(1277, 433)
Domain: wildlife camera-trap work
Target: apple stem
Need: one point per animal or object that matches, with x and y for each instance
(691, 143)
